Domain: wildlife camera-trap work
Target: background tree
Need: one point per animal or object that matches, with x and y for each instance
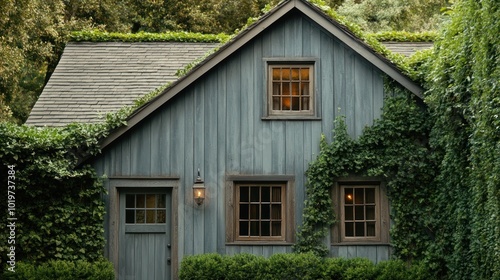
(389, 15)
(465, 99)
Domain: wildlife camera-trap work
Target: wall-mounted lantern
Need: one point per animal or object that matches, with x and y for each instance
(199, 190)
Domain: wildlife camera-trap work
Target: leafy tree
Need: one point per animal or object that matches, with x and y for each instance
(388, 15)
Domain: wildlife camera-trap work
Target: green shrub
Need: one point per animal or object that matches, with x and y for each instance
(62, 270)
(296, 266)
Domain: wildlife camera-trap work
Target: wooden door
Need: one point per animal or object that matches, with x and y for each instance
(145, 235)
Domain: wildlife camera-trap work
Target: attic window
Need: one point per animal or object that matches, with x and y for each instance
(290, 89)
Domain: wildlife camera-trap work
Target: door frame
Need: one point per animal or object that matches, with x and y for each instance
(118, 184)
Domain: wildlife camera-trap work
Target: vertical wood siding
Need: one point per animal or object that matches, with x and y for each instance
(216, 125)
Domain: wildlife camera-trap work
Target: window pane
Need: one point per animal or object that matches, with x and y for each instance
(305, 103)
(150, 201)
(254, 211)
(349, 216)
(285, 88)
(265, 211)
(348, 196)
(359, 212)
(276, 103)
(254, 194)
(276, 74)
(243, 228)
(370, 212)
(244, 211)
(139, 216)
(296, 103)
(265, 229)
(276, 212)
(161, 201)
(286, 103)
(254, 229)
(150, 216)
(276, 194)
(370, 195)
(265, 193)
(129, 201)
(130, 216)
(304, 74)
(370, 229)
(161, 216)
(359, 196)
(276, 88)
(304, 88)
(349, 229)
(276, 228)
(140, 203)
(295, 88)
(360, 229)
(295, 73)
(285, 73)
(244, 194)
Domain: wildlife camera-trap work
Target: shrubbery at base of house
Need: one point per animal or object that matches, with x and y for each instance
(296, 266)
(62, 270)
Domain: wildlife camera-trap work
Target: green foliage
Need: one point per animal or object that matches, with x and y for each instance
(404, 36)
(59, 203)
(296, 266)
(389, 15)
(62, 270)
(465, 99)
(103, 36)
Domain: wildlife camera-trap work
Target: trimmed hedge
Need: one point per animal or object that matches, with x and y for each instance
(296, 266)
(62, 270)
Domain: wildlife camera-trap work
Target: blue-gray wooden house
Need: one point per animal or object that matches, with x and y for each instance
(249, 118)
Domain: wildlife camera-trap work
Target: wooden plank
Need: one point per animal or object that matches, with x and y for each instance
(247, 89)
(351, 252)
(278, 40)
(350, 91)
(221, 159)
(278, 148)
(125, 155)
(198, 130)
(157, 145)
(233, 117)
(211, 179)
(258, 98)
(364, 96)
(334, 251)
(190, 168)
(343, 251)
(383, 253)
(378, 93)
(306, 36)
(326, 74)
(339, 79)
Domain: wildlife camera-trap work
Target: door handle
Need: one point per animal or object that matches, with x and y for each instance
(169, 261)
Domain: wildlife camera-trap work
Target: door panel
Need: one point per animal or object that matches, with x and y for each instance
(145, 224)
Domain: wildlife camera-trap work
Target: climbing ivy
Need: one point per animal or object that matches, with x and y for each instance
(396, 149)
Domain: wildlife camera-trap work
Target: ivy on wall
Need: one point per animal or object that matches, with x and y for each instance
(395, 148)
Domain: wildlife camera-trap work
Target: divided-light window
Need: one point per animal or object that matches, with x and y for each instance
(291, 89)
(260, 212)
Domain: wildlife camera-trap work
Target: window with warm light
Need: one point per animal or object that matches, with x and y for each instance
(291, 89)
(362, 212)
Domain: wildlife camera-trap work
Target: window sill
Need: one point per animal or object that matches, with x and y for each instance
(259, 243)
(362, 243)
(291, 118)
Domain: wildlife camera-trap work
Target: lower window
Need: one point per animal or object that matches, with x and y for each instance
(260, 211)
(362, 212)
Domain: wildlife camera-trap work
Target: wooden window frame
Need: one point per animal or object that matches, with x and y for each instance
(233, 183)
(291, 62)
(381, 212)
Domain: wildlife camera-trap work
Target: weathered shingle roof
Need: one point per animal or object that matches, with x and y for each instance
(407, 48)
(92, 79)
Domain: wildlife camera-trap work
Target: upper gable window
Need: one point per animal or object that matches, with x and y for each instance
(291, 89)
